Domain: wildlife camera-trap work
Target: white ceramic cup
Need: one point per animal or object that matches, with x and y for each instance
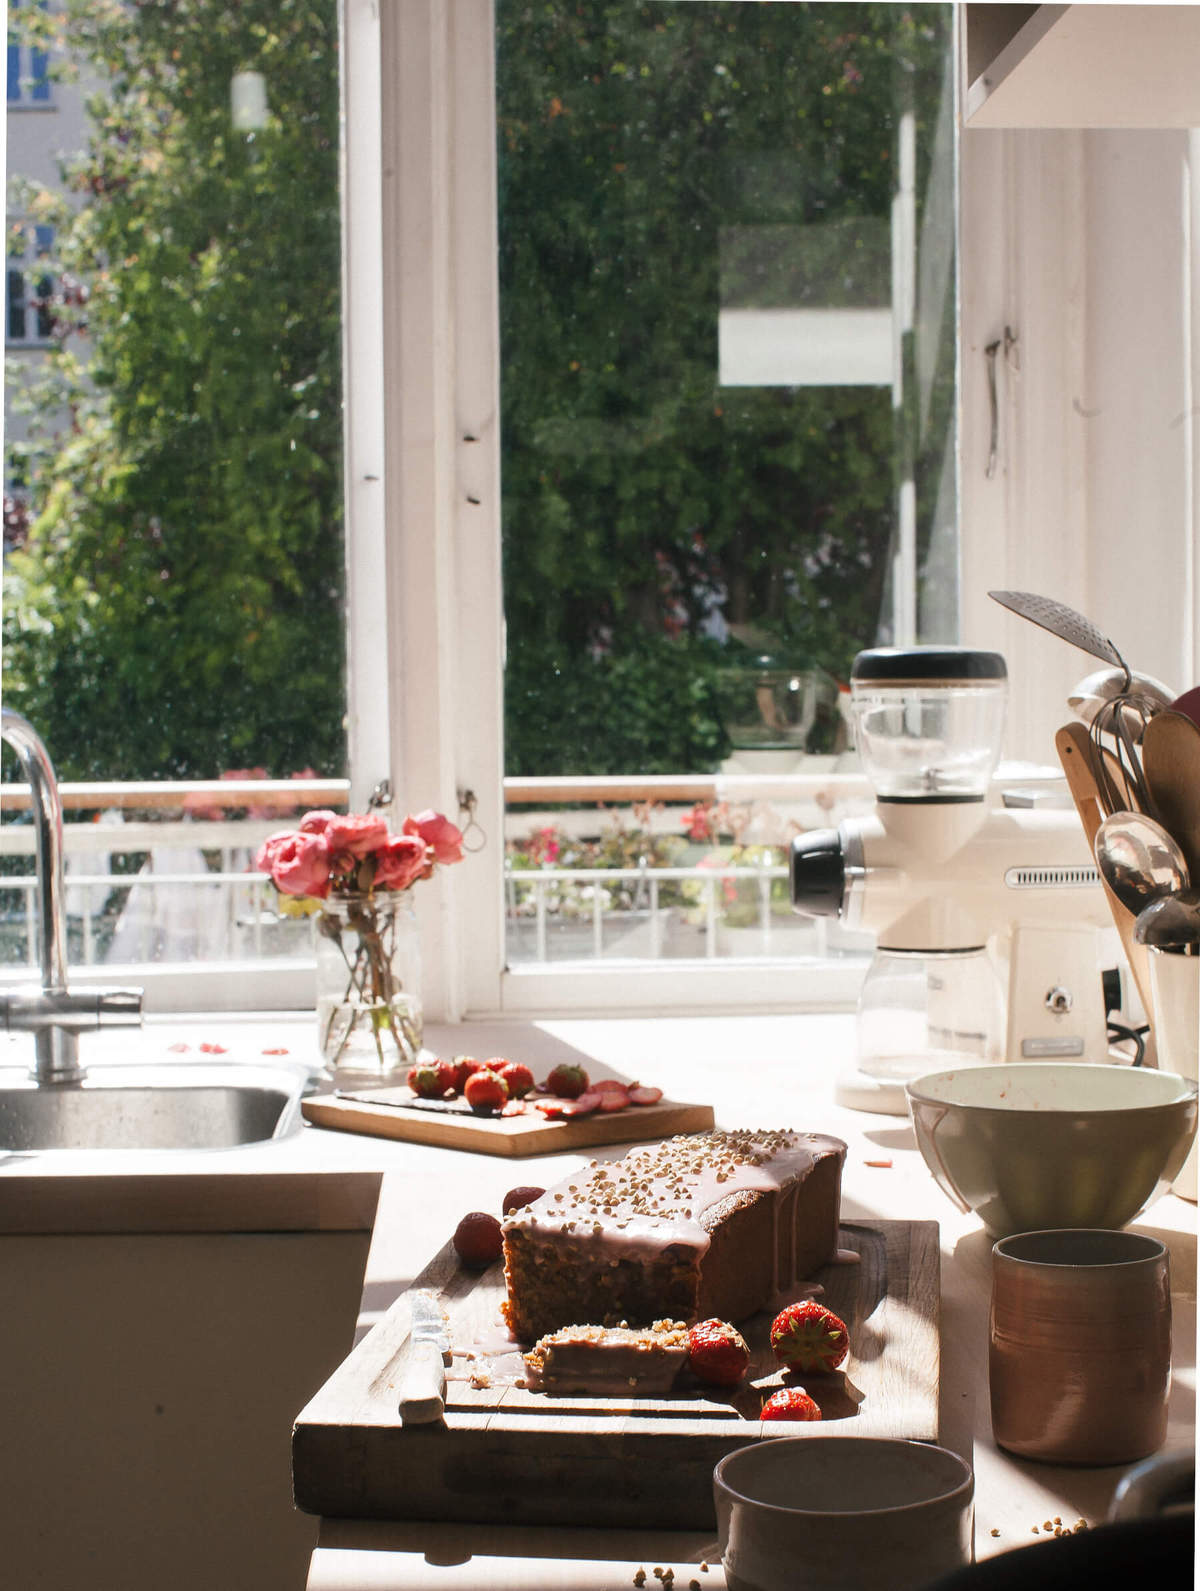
(838, 1513)
(1080, 1345)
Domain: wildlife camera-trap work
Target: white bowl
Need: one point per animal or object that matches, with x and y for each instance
(838, 1513)
(1046, 1144)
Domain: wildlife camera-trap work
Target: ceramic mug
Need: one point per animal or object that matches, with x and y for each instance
(837, 1513)
(1080, 1345)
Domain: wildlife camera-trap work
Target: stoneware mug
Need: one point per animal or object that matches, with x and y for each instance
(837, 1513)
(1080, 1345)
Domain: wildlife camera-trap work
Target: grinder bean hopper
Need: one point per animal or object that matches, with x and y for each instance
(986, 915)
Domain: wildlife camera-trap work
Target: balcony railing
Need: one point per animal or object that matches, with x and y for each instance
(163, 872)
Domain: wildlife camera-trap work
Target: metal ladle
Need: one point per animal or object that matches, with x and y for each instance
(1138, 860)
(1172, 922)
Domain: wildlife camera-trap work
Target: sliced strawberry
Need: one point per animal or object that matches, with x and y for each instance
(612, 1102)
(609, 1085)
(590, 1099)
(645, 1096)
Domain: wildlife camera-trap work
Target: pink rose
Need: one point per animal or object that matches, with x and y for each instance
(442, 837)
(298, 863)
(317, 821)
(357, 833)
(402, 861)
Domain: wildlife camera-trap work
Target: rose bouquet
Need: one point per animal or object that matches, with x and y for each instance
(356, 875)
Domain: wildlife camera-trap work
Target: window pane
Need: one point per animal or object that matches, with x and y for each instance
(176, 611)
(727, 323)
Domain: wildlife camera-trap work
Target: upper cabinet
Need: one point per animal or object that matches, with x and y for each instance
(1080, 66)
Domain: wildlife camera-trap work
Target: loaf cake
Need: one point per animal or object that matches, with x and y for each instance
(603, 1359)
(719, 1224)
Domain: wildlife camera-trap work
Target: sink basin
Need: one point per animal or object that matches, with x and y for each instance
(180, 1106)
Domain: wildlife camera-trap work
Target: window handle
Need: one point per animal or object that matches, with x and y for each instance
(1008, 343)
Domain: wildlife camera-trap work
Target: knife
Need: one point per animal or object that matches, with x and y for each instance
(423, 1390)
(448, 1107)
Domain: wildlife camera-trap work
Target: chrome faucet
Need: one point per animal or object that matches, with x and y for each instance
(54, 1014)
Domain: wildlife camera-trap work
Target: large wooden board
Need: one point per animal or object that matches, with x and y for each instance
(527, 1134)
(507, 1455)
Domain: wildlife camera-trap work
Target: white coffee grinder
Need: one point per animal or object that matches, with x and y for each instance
(986, 915)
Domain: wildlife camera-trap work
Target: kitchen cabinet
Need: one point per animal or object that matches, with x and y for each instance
(1080, 66)
(158, 1334)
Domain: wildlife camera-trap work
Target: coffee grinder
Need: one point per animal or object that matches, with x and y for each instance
(986, 915)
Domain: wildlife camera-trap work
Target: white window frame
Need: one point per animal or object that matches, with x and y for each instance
(1092, 357)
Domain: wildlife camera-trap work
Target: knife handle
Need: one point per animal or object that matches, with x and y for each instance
(423, 1390)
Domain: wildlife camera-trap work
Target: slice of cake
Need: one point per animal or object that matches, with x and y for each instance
(721, 1224)
(607, 1359)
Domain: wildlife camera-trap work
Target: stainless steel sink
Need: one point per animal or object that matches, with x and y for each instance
(181, 1106)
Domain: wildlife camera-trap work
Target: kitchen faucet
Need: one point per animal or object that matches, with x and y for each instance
(54, 1014)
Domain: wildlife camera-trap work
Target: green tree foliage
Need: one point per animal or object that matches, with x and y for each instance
(658, 161)
(178, 608)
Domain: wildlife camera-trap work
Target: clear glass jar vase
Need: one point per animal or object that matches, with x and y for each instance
(369, 1020)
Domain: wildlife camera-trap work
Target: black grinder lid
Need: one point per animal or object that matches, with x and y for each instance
(932, 665)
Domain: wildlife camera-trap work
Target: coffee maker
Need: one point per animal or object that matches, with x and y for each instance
(986, 912)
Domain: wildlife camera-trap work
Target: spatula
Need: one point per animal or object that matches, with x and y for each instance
(1171, 764)
(1078, 757)
(1064, 622)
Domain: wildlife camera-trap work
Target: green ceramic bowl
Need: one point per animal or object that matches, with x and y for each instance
(1047, 1144)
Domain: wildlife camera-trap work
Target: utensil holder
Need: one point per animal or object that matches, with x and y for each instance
(1175, 990)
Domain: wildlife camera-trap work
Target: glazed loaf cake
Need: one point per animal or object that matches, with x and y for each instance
(720, 1224)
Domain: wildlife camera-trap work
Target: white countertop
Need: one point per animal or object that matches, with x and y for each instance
(756, 1070)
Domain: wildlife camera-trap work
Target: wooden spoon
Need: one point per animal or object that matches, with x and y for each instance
(1079, 761)
(1171, 764)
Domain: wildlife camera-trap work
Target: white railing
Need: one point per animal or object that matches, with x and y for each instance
(179, 892)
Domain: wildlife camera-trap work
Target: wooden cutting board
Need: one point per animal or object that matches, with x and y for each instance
(389, 1113)
(507, 1455)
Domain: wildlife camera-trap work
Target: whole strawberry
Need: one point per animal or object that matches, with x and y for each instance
(518, 1077)
(463, 1066)
(431, 1079)
(717, 1353)
(807, 1336)
(486, 1092)
(477, 1240)
(790, 1403)
(567, 1081)
(518, 1198)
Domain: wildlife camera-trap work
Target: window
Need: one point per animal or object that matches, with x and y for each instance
(173, 605)
(727, 434)
(28, 69)
(424, 402)
(1039, 210)
(29, 311)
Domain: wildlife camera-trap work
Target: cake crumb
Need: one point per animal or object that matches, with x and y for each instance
(639, 1578)
(885, 1165)
(995, 1532)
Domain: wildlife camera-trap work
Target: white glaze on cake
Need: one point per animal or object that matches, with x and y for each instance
(656, 1197)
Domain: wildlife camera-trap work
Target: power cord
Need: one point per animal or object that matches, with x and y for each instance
(1122, 1033)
